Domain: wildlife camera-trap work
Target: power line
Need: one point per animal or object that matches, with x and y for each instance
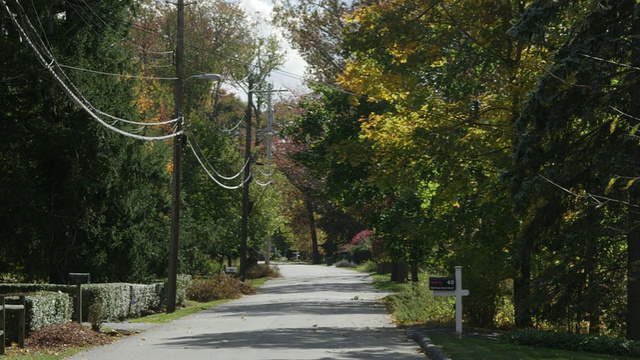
(116, 32)
(116, 75)
(193, 141)
(213, 177)
(261, 184)
(76, 98)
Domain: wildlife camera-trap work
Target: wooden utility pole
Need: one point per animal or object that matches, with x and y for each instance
(244, 233)
(177, 166)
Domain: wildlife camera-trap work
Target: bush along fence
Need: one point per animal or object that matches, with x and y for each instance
(53, 304)
(28, 312)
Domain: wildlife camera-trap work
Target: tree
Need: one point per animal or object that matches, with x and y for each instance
(71, 207)
(449, 83)
(572, 138)
(316, 31)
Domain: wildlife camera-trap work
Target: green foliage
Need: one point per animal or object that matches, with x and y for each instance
(115, 300)
(416, 304)
(367, 266)
(482, 348)
(75, 209)
(46, 308)
(42, 308)
(569, 246)
(218, 287)
(574, 342)
(95, 316)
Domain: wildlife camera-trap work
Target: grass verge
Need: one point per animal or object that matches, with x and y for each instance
(469, 348)
(382, 282)
(19, 354)
(191, 307)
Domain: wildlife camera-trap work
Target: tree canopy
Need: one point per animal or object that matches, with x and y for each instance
(497, 135)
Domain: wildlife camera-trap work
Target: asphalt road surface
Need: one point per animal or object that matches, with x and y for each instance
(311, 312)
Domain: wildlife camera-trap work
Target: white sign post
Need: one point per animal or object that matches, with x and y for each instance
(458, 293)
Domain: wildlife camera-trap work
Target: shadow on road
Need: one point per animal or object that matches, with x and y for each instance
(320, 307)
(336, 283)
(362, 343)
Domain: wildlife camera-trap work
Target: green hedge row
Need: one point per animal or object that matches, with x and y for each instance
(41, 308)
(574, 342)
(117, 300)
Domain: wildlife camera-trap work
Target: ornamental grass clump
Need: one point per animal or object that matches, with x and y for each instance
(262, 271)
(416, 304)
(345, 263)
(217, 287)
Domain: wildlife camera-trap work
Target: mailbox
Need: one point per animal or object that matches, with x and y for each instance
(79, 278)
(442, 283)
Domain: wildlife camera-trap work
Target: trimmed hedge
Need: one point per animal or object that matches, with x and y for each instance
(114, 300)
(117, 300)
(19, 288)
(574, 342)
(41, 309)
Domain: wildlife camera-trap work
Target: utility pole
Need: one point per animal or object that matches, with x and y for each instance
(269, 122)
(178, 93)
(244, 233)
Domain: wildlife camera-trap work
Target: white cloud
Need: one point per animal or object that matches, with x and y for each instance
(292, 72)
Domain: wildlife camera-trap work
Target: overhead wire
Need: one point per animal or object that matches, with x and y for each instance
(194, 141)
(119, 35)
(80, 11)
(136, 122)
(75, 97)
(234, 128)
(143, 124)
(213, 177)
(44, 33)
(116, 75)
(261, 184)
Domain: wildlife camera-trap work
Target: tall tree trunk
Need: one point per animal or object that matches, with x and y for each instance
(414, 271)
(399, 272)
(312, 230)
(522, 286)
(633, 236)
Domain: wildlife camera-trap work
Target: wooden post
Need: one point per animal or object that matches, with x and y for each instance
(2, 331)
(21, 321)
(22, 310)
(79, 303)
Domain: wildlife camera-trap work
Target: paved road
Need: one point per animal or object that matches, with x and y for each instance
(311, 312)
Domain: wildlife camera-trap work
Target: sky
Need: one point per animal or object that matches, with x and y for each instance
(291, 73)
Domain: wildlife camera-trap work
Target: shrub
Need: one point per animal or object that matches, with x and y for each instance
(41, 309)
(218, 287)
(114, 299)
(574, 342)
(345, 263)
(261, 271)
(359, 248)
(96, 316)
(416, 304)
(367, 266)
